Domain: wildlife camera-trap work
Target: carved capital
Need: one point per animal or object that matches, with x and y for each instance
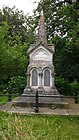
(40, 74)
(27, 74)
(53, 74)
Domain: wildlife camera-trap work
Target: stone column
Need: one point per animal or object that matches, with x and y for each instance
(40, 88)
(27, 88)
(53, 82)
(28, 79)
(40, 79)
(53, 89)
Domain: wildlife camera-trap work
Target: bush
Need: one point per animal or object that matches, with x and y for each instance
(3, 89)
(75, 90)
(75, 85)
(63, 86)
(17, 84)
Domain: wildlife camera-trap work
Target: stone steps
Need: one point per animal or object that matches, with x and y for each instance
(44, 101)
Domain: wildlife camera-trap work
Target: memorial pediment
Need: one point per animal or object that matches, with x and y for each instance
(41, 54)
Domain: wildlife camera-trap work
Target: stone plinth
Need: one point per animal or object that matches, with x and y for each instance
(44, 99)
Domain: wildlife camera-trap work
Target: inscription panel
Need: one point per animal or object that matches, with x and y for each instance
(41, 55)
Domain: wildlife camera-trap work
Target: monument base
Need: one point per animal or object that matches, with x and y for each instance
(45, 99)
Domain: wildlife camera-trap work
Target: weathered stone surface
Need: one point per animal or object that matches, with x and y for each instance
(44, 100)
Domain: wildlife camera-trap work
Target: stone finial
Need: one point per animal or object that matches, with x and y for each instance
(41, 36)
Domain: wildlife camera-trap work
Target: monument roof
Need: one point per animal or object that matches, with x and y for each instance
(34, 46)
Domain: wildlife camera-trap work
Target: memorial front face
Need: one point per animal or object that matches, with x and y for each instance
(41, 69)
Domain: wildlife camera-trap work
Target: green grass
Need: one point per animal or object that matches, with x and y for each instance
(75, 85)
(3, 99)
(37, 127)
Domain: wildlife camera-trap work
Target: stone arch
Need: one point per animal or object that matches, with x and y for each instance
(46, 77)
(34, 77)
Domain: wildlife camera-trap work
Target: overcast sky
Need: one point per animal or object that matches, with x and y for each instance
(26, 5)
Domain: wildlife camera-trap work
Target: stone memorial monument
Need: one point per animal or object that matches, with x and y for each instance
(40, 71)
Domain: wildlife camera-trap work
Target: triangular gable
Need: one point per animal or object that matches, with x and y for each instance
(33, 47)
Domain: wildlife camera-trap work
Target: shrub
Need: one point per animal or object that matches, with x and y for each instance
(75, 90)
(75, 85)
(17, 84)
(3, 89)
(63, 86)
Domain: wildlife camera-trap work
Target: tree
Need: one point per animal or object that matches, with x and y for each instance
(13, 60)
(16, 33)
(3, 55)
(18, 25)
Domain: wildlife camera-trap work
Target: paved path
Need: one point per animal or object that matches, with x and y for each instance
(72, 110)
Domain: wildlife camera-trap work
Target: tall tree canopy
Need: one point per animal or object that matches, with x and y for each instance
(19, 26)
(16, 33)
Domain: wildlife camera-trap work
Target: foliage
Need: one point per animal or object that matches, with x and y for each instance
(18, 25)
(67, 61)
(3, 50)
(16, 33)
(3, 89)
(75, 85)
(63, 86)
(13, 60)
(59, 17)
(17, 83)
(3, 100)
(32, 127)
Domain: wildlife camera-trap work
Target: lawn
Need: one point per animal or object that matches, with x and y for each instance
(38, 127)
(3, 99)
